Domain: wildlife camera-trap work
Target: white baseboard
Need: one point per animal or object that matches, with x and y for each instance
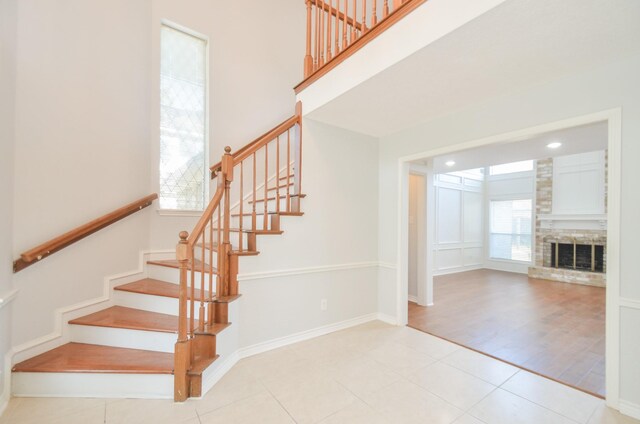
(304, 335)
(629, 408)
(389, 319)
(412, 298)
(210, 380)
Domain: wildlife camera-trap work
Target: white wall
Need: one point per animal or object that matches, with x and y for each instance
(579, 183)
(7, 139)
(329, 253)
(517, 185)
(82, 131)
(611, 86)
(256, 52)
(459, 232)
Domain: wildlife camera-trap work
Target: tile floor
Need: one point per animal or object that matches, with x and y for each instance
(373, 373)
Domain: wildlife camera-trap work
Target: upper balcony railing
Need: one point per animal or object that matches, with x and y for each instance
(338, 28)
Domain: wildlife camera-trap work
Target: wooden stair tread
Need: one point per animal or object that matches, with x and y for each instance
(237, 252)
(259, 232)
(226, 299)
(174, 263)
(282, 186)
(129, 318)
(87, 358)
(215, 328)
(282, 213)
(284, 177)
(154, 287)
(280, 197)
(202, 364)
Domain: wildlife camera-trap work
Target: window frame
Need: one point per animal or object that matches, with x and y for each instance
(490, 174)
(206, 139)
(489, 221)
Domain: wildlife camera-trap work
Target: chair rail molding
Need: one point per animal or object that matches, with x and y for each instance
(7, 297)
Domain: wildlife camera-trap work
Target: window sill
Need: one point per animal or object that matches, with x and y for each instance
(176, 212)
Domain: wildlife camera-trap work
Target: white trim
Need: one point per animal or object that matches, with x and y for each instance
(304, 335)
(388, 265)
(614, 119)
(5, 397)
(389, 319)
(180, 213)
(413, 298)
(626, 302)
(8, 297)
(629, 408)
(225, 367)
(307, 270)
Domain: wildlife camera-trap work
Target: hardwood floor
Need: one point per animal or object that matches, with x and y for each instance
(551, 328)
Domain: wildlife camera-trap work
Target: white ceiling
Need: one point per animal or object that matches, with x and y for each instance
(517, 44)
(585, 138)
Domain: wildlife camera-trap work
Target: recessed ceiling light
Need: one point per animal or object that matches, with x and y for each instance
(450, 163)
(554, 145)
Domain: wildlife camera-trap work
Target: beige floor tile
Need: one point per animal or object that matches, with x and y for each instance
(310, 399)
(456, 387)
(405, 402)
(606, 415)
(502, 407)
(358, 413)
(467, 419)
(143, 411)
(482, 366)
(559, 398)
(88, 416)
(426, 343)
(261, 408)
(400, 358)
(239, 383)
(39, 410)
(362, 375)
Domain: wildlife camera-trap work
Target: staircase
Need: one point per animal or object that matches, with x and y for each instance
(162, 337)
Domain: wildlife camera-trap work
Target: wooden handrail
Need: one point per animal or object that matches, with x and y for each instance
(247, 150)
(375, 22)
(335, 12)
(54, 245)
(214, 232)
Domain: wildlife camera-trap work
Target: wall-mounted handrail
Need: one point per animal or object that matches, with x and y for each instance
(56, 244)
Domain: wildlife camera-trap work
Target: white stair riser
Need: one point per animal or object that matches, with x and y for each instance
(122, 337)
(145, 302)
(98, 385)
(172, 275)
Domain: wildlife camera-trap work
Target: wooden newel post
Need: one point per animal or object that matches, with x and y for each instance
(225, 250)
(308, 60)
(182, 357)
(297, 160)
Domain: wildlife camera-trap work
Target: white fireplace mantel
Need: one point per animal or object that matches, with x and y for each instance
(573, 221)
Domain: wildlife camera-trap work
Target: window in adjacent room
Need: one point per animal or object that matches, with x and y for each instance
(510, 168)
(183, 120)
(510, 230)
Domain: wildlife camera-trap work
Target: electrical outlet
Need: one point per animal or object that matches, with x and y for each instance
(323, 304)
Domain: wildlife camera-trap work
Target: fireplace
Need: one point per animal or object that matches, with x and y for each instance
(573, 253)
(582, 257)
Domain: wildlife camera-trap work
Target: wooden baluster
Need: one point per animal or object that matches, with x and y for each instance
(227, 166)
(182, 354)
(374, 13)
(210, 298)
(308, 60)
(364, 16)
(278, 174)
(322, 44)
(192, 298)
(297, 158)
(266, 190)
(317, 58)
(337, 35)
(344, 24)
(240, 238)
(288, 169)
(329, 43)
(202, 280)
(253, 197)
(385, 9)
(219, 254)
(396, 4)
(353, 27)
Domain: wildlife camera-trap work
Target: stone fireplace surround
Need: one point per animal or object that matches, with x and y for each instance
(548, 232)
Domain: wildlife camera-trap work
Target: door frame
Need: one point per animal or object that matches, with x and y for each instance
(613, 117)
